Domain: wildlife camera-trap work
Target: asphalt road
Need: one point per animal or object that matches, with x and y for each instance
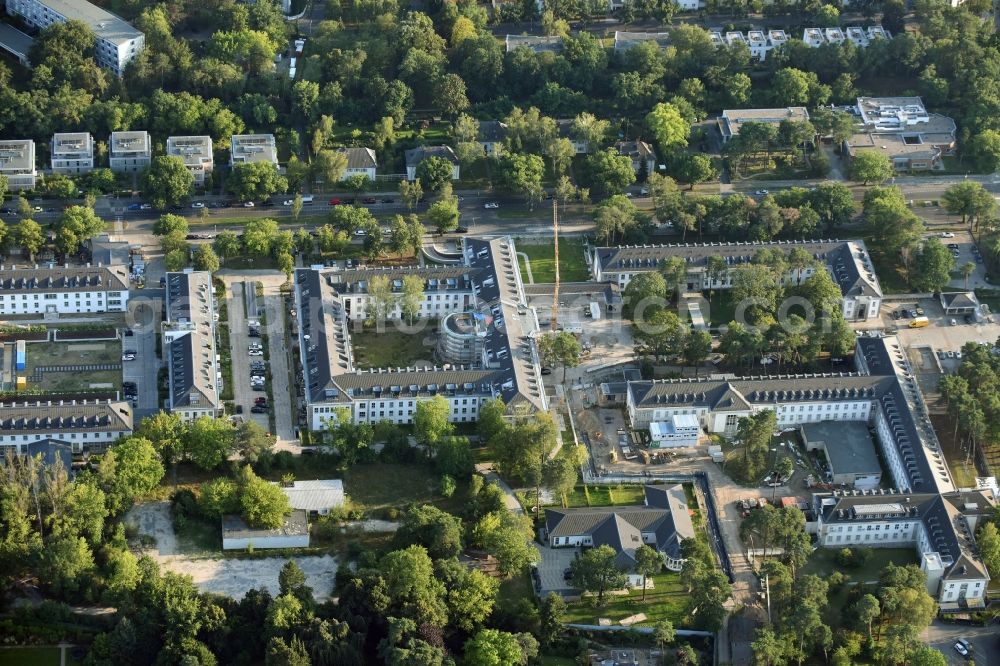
(282, 390)
(985, 642)
(144, 323)
(239, 341)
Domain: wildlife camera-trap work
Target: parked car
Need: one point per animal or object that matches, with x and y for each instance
(961, 649)
(461, 230)
(248, 204)
(492, 205)
(197, 204)
(335, 201)
(568, 573)
(369, 200)
(947, 234)
(388, 201)
(256, 352)
(258, 409)
(260, 401)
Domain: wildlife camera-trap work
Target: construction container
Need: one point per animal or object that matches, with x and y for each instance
(22, 383)
(19, 355)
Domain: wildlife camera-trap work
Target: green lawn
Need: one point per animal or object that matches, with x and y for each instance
(83, 352)
(668, 601)
(389, 349)
(605, 495)
(516, 588)
(823, 562)
(572, 266)
(33, 656)
(721, 307)
(380, 485)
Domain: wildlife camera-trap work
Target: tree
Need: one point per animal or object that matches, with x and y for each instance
(597, 572)
(82, 513)
(970, 200)
(411, 588)
(616, 218)
(491, 647)
(551, 611)
(434, 172)
(894, 226)
(29, 235)
(259, 235)
(411, 192)
(645, 290)
(436, 530)
(287, 653)
(219, 497)
(167, 181)
(286, 264)
(648, 562)
(561, 473)
(449, 92)
(226, 244)
(443, 214)
(169, 223)
(262, 504)
(205, 259)
(66, 562)
(561, 348)
(932, 266)
(694, 169)
(413, 296)
(520, 174)
(869, 166)
(989, 547)
(209, 441)
(668, 126)
(986, 150)
(663, 632)
(430, 421)
(507, 536)
(661, 334)
(251, 181)
(697, 347)
(253, 442)
(133, 470)
(609, 172)
(76, 225)
(867, 609)
(328, 166)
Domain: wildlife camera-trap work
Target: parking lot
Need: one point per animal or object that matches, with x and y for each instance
(143, 324)
(940, 334)
(984, 642)
(244, 394)
(554, 562)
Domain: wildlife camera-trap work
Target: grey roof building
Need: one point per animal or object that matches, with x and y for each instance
(360, 162)
(294, 533)
(86, 425)
(538, 44)
(663, 522)
(16, 43)
(626, 40)
(17, 163)
(52, 451)
(194, 380)
(959, 302)
(849, 449)
(732, 120)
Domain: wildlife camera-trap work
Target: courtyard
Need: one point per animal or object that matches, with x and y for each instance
(394, 348)
(64, 367)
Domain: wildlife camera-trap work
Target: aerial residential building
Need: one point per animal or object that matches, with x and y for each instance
(247, 148)
(663, 521)
(72, 153)
(626, 40)
(834, 35)
(859, 37)
(491, 136)
(847, 262)
(195, 152)
(17, 163)
(641, 153)
(417, 155)
(487, 285)
(130, 152)
(732, 119)
(117, 41)
(566, 131)
(941, 527)
(537, 44)
(86, 425)
(63, 290)
(758, 42)
(902, 129)
(360, 162)
(194, 378)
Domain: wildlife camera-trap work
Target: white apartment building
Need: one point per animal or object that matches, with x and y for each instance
(72, 153)
(194, 377)
(196, 153)
(758, 42)
(860, 37)
(247, 148)
(940, 527)
(17, 163)
(63, 290)
(487, 284)
(117, 41)
(84, 425)
(130, 152)
(847, 262)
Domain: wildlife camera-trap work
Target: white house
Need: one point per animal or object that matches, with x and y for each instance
(641, 153)
(360, 162)
(294, 533)
(417, 155)
(130, 152)
(732, 120)
(680, 430)
(196, 153)
(847, 262)
(17, 163)
(117, 42)
(194, 380)
(63, 290)
(487, 285)
(86, 425)
(245, 148)
(72, 153)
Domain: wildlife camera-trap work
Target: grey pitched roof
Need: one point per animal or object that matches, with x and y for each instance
(190, 350)
(41, 417)
(637, 150)
(961, 299)
(63, 279)
(360, 158)
(315, 495)
(418, 155)
(491, 131)
(52, 450)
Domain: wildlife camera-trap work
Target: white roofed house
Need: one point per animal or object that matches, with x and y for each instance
(244, 148)
(72, 153)
(17, 163)
(63, 290)
(195, 152)
(360, 162)
(130, 152)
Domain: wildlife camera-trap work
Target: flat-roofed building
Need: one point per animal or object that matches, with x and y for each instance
(117, 42)
(247, 148)
(17, 163)
(732, 120)
(848, 449)
(16, 43)
(538, 44)
(196, 153)
(625, 40)
(72, 153)
(903, 130)
(63, 290)
(130, 152)
(86, 425)
(316, 497)
(293, 533)
(194, 378)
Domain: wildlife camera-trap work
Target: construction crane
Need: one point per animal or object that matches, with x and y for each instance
(555, 238)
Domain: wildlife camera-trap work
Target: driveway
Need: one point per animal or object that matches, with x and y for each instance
(228, 576)
(143, 322)
(281, 386)
(550, 569)
(239, 342)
